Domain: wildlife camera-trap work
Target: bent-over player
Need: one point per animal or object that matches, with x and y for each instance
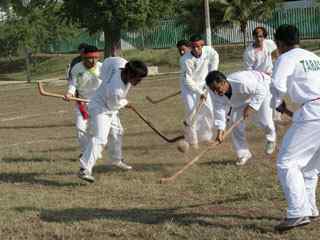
(118, 75)
(246, 92)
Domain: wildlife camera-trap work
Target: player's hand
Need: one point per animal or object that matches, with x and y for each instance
(247, 111)
(203, 97)
(282, 107)
(129, 106)
(67, 96)
(220, 136)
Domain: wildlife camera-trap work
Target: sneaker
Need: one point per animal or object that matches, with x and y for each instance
(290, 223)
(121, 164)
(85, 175)
(242, 160)
(270, 147)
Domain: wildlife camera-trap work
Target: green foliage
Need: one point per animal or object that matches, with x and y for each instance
(191, 14)
(241, 11)
(34, 26)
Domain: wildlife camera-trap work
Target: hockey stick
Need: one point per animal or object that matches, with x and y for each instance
(56, 95)
(193, 115)
(172, 140)
(162, 99)
(190, 163)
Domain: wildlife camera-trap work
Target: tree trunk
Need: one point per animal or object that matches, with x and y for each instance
(243, 29)
(112, 41)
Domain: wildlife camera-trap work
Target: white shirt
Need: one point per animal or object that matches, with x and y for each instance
(111, 95)
(260, 59)
(248, 88)
(85, 81)
(297, 73)
(194, 70)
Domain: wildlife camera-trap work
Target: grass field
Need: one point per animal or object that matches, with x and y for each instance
(42, 198)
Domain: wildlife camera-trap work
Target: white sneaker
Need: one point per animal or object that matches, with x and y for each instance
(121, 164)
(242, 160)
(270, 147)
(85, 175)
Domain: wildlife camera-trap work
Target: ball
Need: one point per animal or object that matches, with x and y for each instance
(183, 146)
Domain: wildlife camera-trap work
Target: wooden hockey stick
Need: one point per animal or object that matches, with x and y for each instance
(56, 95)
(170, 140)
(190, 163)
(162, 99)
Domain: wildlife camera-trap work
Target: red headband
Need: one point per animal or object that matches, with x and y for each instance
(91, 54)
(197, 43)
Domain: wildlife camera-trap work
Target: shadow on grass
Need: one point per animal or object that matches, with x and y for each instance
(39, 126)
(23, 159)
(155, 216)
(34, 178)
(137, 167)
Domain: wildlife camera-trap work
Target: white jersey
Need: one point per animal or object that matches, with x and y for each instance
(111, 95)
(260, 59)
(297, 73)
(194, 70)
(85, 81)
(248, 88)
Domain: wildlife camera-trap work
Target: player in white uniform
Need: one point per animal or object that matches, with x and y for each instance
(118, 75)
(245, 92)
(260, 55)
(297, 73)
(194, 66)
(85, 80)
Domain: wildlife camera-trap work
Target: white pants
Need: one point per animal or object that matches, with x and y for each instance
(262, 118)
(81, 128)
(106, 130)
(298, 165)
(201, 129)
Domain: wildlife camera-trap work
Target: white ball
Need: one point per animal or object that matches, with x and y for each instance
(183, 146)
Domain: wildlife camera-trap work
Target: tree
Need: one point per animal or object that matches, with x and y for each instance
(191, 14)
(114, 16)
(241, 11)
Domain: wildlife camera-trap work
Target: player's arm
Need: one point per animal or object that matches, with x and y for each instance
(220, 113)
(187, 78)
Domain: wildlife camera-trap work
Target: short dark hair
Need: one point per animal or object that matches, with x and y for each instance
(288, 34)
(215, 77)
(137, 68)
(255, 31)
(183, 43)
(82, 46)
(89, 49)
(196, 37)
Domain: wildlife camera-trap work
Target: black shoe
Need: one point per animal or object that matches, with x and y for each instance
(85, 175)
(290, 223)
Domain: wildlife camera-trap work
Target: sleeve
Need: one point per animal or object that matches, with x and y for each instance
(214, 60)
(220, 112)
(283, 68)
(72, 84)
(271, 45)
(187, 80)
(116, 101)
(256, 90)
(248, 59)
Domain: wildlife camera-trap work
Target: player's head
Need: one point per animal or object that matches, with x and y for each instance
(197, 43)
(82, 47)
(90, 56)
(286, 37)
(259, 34)
(217, 82)
(183, 46)
(134, 71)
